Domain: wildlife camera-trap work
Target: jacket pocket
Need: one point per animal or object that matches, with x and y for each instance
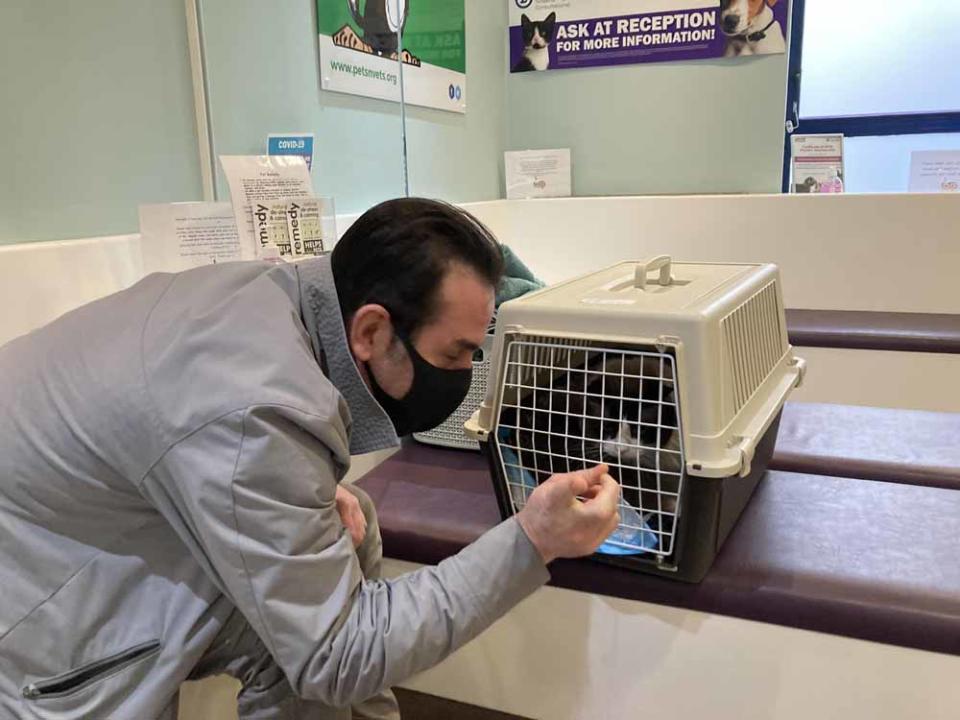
(86, 675)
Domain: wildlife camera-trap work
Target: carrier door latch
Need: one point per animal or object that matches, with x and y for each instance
(746, 448)
(666, 342)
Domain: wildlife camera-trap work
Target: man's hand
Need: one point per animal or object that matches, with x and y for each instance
(351, 515)
(561, 526)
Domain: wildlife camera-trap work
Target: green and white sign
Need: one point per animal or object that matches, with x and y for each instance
(358, 50)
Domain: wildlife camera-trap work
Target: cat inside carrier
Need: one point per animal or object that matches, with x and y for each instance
(675, 383)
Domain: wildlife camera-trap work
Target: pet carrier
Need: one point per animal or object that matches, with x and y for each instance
(450, 433)
(675, 382)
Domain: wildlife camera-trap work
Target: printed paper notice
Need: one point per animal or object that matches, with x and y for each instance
(290, 230)
(538, 174)
(935, 171)
(262, 178)
(180, 236)
(817, 163)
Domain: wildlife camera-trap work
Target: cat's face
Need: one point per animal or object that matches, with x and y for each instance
(537, 34)
(640, 439)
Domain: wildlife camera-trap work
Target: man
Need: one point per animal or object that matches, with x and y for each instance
(170, 459)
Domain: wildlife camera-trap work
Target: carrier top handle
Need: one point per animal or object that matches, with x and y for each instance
(661, 263)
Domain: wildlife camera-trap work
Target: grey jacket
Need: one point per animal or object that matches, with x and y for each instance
(172, 451)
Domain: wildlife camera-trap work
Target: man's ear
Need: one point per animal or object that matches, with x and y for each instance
(370, 332)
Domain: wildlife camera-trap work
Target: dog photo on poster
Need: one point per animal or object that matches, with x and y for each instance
(359, 47)
(563, 34)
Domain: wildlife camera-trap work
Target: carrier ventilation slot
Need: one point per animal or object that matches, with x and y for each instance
(753, 336)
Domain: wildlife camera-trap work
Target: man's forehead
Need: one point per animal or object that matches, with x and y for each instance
(466, 305)
(466, 291)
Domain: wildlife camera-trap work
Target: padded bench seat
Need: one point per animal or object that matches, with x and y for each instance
(902, 332)
(903, 446)
(862, 559)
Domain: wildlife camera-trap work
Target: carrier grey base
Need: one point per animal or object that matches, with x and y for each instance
(709, 510)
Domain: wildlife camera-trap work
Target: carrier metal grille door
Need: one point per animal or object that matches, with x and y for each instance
(567, 406)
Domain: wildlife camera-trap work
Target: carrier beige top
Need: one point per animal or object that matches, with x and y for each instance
(724, 324)
(652, 287)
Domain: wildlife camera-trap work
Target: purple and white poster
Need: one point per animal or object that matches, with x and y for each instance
(564, 34)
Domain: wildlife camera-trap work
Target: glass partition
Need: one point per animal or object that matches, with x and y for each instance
(455, 119)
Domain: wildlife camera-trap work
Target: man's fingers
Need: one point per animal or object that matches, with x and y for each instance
(606, 497)
(595, 474)
(591, 492)
(561, 526)
(574, 485)
(594, 490)
(580, 483)
(609, 487)
(359, 529)
(351, 515)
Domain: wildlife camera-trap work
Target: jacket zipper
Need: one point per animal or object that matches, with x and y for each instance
(80, 678)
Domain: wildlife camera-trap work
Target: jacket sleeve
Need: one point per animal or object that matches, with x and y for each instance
(253, 497)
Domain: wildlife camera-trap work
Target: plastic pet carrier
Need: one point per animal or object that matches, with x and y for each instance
(451, 432)
(675, 381)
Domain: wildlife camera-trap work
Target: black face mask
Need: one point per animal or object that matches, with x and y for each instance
(433, 397)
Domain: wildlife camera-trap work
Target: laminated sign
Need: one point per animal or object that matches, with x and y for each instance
(816, 163)
(361, 51)
(289, 229)
(552, 35)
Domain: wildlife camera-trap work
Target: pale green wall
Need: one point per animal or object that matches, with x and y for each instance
(96, 115)
(100, 114)
(691, 127)
(459, 157)
(263, 77)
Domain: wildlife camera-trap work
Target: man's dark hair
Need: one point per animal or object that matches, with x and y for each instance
(397, 253)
